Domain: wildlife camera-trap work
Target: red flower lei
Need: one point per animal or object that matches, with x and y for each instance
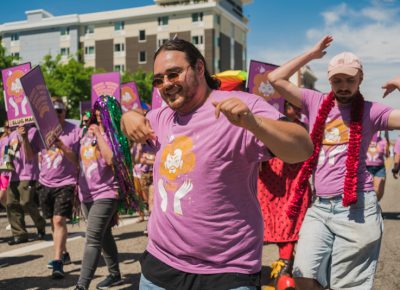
(352, 161)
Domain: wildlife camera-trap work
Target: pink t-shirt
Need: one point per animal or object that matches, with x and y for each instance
(396, 148)
(25, 169)
(96, 180)
(376, 151)
(206, 217)
(331, 169)
(56, 169)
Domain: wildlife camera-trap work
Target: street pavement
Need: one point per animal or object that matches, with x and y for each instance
(24, 266)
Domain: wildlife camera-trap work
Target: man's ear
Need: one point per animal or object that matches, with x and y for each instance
(200, 67)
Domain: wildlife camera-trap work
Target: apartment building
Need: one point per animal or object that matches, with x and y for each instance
(126, 39)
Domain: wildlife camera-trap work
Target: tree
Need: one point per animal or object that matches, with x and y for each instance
(71, 79)
(5, 62)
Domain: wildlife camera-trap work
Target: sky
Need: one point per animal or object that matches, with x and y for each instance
(279, 30)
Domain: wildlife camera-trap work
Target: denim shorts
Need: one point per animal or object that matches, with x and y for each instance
(377, 171)
(339, 246)
(147, 285)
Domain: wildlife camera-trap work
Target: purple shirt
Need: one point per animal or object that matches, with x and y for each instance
(25, 169)
(376, 151)
(331, 169)
(206, 217)
(96, 180)
(56, 169)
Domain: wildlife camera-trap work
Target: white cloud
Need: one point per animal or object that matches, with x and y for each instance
(333, 16)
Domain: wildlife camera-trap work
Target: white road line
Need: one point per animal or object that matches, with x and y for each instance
(46, 244)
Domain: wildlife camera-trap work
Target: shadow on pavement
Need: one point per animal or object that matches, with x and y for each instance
(38, 283)
(128, 235)
(10, 261)
(391, 215)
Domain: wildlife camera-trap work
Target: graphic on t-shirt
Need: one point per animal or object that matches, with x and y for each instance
(53, 157)
(177, 161)
(89, 156)
(335, 140)
(14, 148)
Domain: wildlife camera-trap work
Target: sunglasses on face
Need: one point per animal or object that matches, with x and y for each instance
(172, 77)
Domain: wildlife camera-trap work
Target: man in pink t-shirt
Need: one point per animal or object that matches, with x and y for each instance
(206, 229)
(341, 234)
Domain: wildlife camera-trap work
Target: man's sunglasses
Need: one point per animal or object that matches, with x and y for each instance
(172, 77)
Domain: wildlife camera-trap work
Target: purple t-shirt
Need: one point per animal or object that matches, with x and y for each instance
(376, 151)
(206, 216)
(56, 169)
(396, 148)
(96, 179)
(25, 169)
(331, 169)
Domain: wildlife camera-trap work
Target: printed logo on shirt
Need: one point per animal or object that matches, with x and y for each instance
(177, 161)
(89, 156)
(53, 157)
(335, 141)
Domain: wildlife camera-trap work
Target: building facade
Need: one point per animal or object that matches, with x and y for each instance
(126, 39)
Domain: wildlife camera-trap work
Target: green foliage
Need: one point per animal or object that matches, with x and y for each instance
(5, 62)
(71, 79)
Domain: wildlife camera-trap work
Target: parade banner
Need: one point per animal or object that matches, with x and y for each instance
(85, 106)
(156, 100)
(45, 116)
(258, 84)
(130, 97)
(106, 84)
(17, 107)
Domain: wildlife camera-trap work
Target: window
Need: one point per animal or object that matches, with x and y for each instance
(15, 54)
(119, 67)
(197, 39)
(218, 19)
(163, 21)
(64, 31)
(119, 47)
(142, 57)
(15, 37)
(89, 29)
(120, 25)
(89, 49)
(162, 41)
(64, 51)
(197, 17)
(142, 35)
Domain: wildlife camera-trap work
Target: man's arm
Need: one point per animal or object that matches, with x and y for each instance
(288, 141)
(23, 132)
(279, 77)
(396, 165)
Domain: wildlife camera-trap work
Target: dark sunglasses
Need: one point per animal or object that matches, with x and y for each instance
(172, 77)
(59, 111)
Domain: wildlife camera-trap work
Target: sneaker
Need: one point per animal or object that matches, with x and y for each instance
(65, 258)
(8, 227)
(79, 287)
(50, 264)
(111, 280)
(58, 272)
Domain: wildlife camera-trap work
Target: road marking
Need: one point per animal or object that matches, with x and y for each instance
(46, 244)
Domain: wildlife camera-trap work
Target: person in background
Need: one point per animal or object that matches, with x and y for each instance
(396, 163)
(378, 150)
(25, 143)
(58, 179)
(98, 193)
(4, 170)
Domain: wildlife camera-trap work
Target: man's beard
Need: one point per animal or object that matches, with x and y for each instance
(345, 100)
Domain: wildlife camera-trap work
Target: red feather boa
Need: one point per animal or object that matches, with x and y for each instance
(352, 161)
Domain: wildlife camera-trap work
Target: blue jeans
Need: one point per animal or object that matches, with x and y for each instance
(147, 285)
(339, 246)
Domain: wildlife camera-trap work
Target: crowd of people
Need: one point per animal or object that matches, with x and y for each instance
(221, 173)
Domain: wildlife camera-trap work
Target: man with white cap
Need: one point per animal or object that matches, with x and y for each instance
(341, 234)
(58, 179)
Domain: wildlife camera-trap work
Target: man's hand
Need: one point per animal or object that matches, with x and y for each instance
(136, 127)
(22, 131)
(318, 51)
(391, 85)
(236, 112)
(94, 130)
